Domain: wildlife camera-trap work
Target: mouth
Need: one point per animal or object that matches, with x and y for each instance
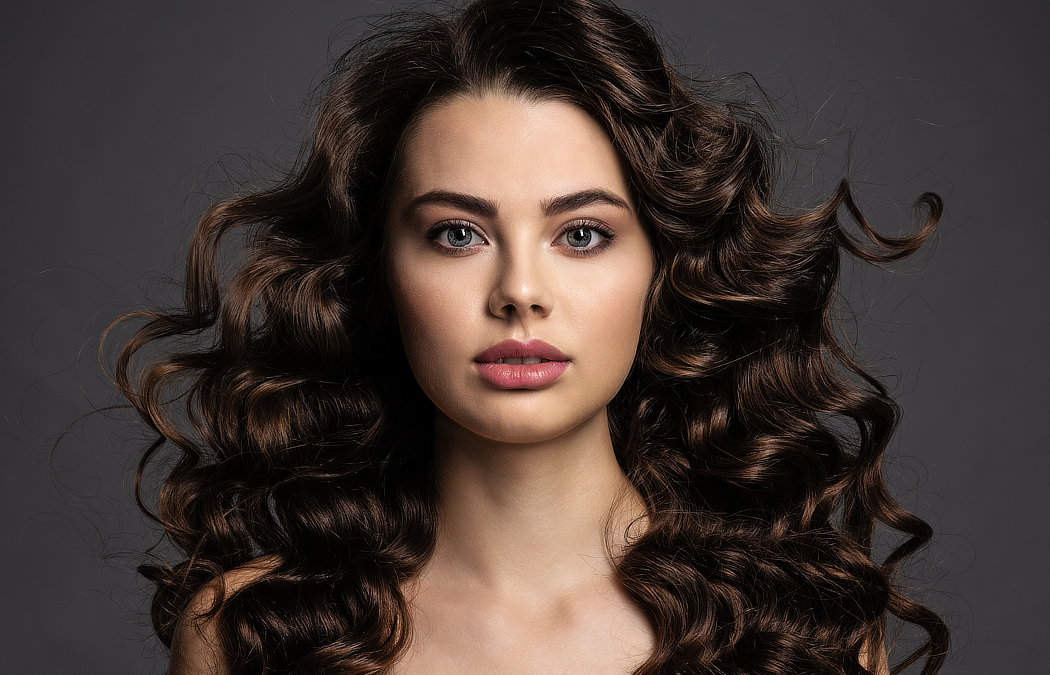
(513, 364)
(517, 352)
(521, 375)
(527, 361)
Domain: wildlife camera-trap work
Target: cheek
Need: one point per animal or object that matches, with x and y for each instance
(610, 316)
(626, 293)
(431, 310)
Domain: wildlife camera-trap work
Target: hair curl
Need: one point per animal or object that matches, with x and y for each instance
(291, 442)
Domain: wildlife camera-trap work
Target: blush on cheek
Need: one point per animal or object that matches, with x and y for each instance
(429, 326)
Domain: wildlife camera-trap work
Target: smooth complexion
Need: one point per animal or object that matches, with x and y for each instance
(512, 219)
(520, 581)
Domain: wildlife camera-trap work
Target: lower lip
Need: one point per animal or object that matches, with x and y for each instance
(521, 375)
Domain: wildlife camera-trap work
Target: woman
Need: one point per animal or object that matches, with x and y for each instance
(523, 370)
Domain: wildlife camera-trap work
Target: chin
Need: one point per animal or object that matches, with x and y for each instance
(523, 434)
(523, 427)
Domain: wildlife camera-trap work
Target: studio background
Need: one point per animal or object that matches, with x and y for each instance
(121, 120)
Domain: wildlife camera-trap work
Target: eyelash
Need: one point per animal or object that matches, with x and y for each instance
(584, 224)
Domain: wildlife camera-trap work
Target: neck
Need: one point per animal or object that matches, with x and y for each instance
(529, 518)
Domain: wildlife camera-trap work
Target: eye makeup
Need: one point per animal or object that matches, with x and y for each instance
(443, 235)
(605, 233)
(443, 231)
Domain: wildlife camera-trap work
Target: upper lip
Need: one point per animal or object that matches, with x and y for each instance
(520, 350)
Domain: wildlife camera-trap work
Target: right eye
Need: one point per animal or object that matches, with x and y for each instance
(454, 235)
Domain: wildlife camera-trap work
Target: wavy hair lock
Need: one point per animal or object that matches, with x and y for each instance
(752, 433)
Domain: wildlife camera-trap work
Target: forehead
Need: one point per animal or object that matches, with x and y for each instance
(507, 147)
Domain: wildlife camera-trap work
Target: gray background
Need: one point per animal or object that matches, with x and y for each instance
(115, 114)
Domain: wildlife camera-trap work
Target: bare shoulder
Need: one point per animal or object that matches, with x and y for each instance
(195, 647)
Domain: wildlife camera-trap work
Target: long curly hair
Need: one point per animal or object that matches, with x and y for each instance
(750, 430)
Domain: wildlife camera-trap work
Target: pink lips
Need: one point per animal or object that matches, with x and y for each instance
(521, 375)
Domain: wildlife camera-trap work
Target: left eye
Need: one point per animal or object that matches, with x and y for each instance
(582, 236)
(459, 236)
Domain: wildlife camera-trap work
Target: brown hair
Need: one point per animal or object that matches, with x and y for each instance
(754, 436)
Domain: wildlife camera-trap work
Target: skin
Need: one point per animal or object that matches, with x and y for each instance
(533, 503)
(521, 580)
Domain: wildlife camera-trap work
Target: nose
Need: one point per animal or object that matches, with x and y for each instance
(522, 287)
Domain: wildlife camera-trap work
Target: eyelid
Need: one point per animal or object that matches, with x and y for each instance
(606, 233)
(588, 224)
(439, 227)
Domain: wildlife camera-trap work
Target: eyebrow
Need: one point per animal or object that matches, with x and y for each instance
(583, 198)
(476, 205)
(489, 209)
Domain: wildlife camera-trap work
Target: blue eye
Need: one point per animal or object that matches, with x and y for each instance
(459, 236)
(455, 236)
(582, 238)
(578, 237)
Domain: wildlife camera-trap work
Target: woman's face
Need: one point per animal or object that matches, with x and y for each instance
(513, 222)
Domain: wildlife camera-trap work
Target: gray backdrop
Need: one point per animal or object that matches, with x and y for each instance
(114, 115)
